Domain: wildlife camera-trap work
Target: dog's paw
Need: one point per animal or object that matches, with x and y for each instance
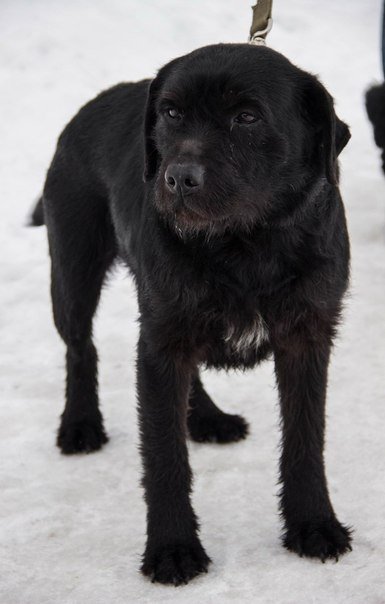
(81, 437)
(218, 428)
(175, 564)
(319, 539)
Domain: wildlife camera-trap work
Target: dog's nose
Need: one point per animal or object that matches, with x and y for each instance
(188, 178)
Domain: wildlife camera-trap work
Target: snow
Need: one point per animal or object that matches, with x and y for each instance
(72, 529)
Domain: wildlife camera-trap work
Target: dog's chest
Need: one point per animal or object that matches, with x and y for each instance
(231, 328)
(242, 339)
(253, 335)
(237, 344)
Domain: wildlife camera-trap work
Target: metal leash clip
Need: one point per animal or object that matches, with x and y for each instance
(259, 37)
(262, 22)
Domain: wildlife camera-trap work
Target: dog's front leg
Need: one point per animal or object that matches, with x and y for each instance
(311, 527)
(173, 553)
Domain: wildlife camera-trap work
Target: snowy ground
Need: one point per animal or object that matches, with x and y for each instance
(72, 529)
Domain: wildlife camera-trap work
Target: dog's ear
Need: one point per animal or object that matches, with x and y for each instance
(150, 151)
(151, 155)
(342, 135)
(329, 132)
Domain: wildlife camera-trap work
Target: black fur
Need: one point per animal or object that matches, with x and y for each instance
(375, 107)
(253, 260)
(37, 216)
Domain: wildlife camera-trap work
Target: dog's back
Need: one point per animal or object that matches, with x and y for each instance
(103, 134)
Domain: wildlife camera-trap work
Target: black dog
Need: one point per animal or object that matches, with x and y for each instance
(375, 107)
(238, 245)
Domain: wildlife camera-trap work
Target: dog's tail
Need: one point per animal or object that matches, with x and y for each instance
(37, 216)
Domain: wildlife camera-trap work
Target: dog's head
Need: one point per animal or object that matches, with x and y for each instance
(232, 130)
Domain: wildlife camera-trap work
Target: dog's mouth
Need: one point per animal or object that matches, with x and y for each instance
(188, 219)
(183, 212)
(185, 220)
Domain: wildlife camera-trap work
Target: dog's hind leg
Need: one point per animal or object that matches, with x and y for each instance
(82, 248)
(207, 423)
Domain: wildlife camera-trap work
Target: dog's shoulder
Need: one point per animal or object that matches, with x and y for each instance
(108, 112)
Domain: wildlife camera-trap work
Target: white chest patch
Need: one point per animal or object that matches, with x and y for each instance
(256, 334)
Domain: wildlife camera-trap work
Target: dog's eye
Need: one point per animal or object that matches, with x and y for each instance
(173, 113)
(246, 118)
